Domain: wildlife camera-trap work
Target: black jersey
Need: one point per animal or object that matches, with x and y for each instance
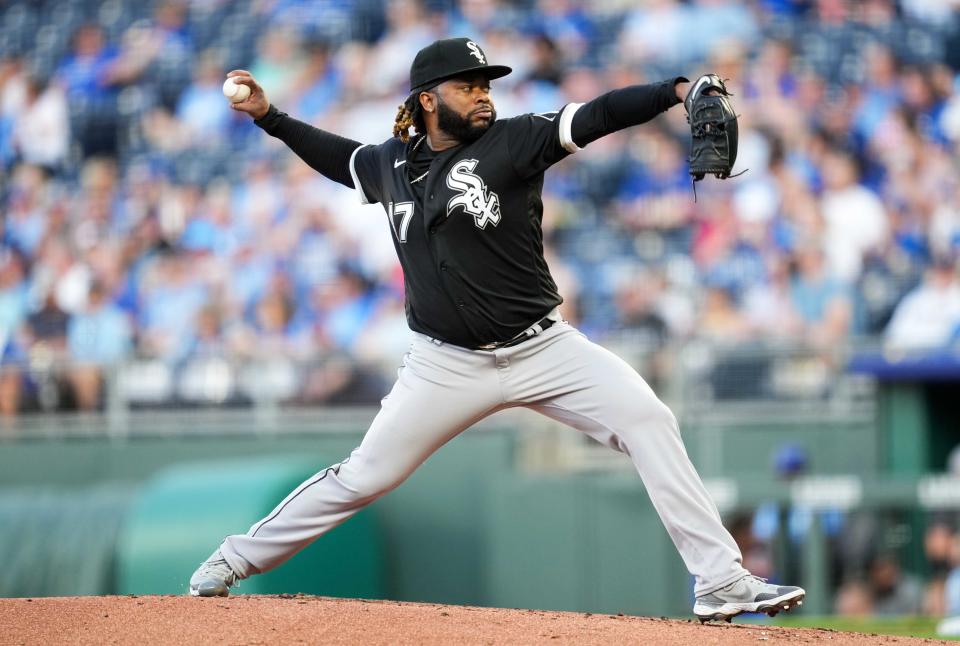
(466, 221)
(467, 226)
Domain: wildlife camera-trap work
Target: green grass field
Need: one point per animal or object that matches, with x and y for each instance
(903, 627)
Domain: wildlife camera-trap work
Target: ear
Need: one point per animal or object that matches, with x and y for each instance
(428, 101)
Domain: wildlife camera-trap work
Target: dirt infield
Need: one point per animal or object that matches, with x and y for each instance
(289, 619)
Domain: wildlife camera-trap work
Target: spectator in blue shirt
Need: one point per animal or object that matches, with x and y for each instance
(822, 301)
(13, 309)
(13, 292)
(201, 106)
(89, 77)
(97, 338)
(320, 83)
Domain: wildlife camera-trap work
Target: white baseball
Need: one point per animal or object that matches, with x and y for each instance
(234, 91)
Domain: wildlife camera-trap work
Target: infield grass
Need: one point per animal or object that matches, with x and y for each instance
(900, 626)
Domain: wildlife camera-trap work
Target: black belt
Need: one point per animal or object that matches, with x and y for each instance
(532, 331)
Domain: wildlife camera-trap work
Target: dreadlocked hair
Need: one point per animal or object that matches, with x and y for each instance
(409, 113)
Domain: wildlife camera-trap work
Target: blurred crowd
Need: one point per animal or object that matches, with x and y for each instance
(148, 226)
(879, 562)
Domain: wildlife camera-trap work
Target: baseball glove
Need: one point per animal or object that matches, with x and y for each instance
(713, 124)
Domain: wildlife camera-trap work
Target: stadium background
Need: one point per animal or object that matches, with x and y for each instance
(176, 286)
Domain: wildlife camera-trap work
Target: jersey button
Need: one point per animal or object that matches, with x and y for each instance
(443, 266)
(431, 196)
(461, 304)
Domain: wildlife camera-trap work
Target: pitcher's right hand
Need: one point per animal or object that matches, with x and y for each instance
(256, 105)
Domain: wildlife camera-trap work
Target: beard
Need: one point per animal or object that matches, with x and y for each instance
(460, 127)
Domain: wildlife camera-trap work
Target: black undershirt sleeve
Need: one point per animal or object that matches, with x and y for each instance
(619, 109)
(324, 152)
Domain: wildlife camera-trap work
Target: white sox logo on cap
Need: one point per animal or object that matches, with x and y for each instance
(475, 198)
(475, 51)
(448, 58)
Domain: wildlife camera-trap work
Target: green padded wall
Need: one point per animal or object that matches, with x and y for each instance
(431, 527)
(589, 543)
(747, 448)
(635, 567)
(61, 543)
(185, 511)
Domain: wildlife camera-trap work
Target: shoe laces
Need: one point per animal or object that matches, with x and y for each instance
(756, 580)
(747, 579)
(220, 569)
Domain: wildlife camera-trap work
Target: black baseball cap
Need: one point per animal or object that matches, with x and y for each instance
(448, 58)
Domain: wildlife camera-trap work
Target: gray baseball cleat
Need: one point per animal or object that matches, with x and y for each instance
(213, 578)
(748, 594)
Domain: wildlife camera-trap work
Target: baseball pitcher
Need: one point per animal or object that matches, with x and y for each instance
(462, 196)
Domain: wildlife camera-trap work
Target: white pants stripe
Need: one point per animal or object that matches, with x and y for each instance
(443, 389)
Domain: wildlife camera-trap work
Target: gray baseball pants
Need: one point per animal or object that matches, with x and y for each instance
(443, 389)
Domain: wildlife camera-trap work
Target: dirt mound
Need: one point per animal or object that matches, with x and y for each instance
(295, 619)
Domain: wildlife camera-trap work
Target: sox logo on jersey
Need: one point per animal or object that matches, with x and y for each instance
(474, 197)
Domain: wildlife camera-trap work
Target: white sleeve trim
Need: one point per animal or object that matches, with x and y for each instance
(353, 175)
(566, 127)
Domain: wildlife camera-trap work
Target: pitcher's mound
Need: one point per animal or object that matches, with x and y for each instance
(293, 619)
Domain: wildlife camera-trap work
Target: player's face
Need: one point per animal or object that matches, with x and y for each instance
(464, 107)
